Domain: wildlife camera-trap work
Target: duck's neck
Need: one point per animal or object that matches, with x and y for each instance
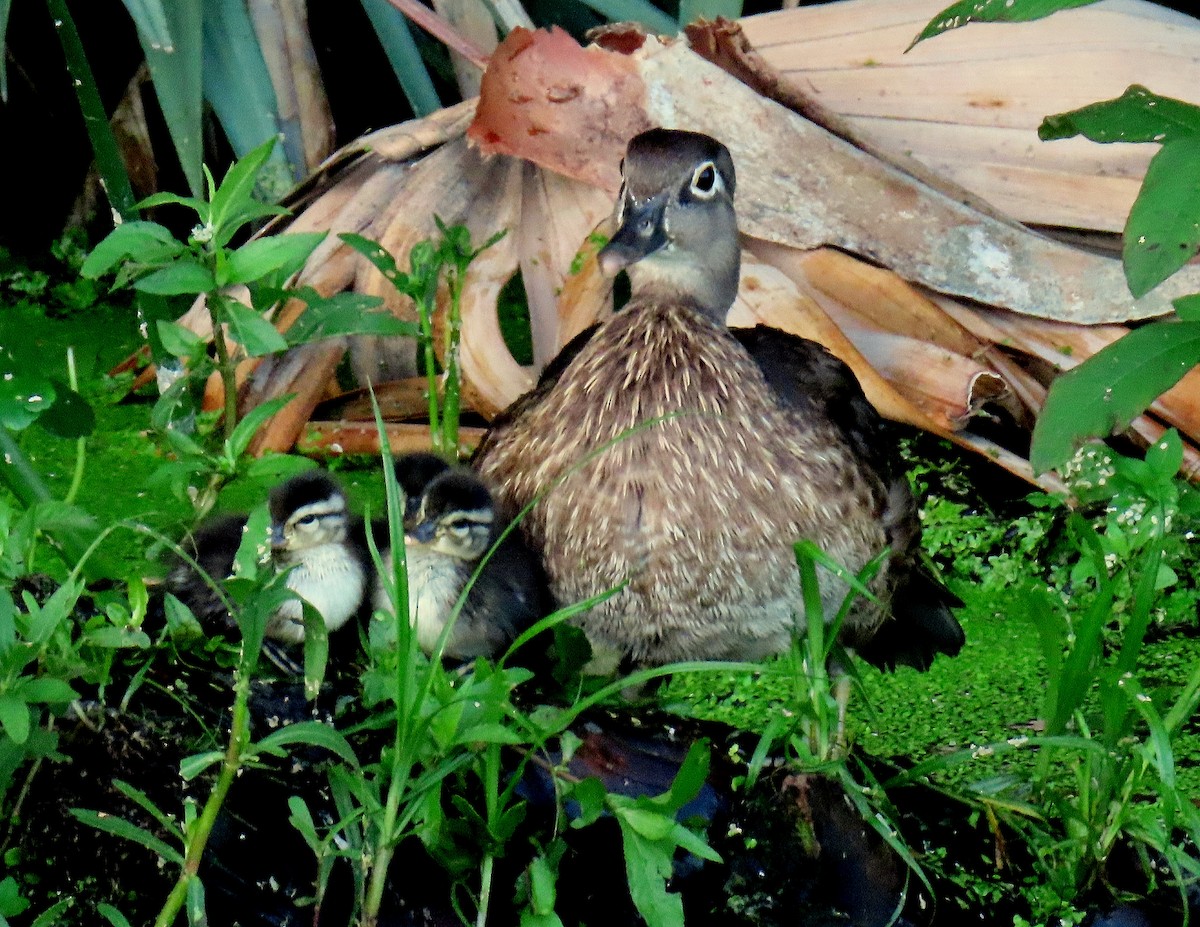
(710, 289)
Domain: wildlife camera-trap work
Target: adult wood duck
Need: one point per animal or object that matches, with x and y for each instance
(450, 523)
(692, 456)
(312, 532)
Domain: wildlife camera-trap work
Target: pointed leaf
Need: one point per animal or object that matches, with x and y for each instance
(136, 239)
(347, 314)
(191, 766)
(312, 733)
(245, 430)
(249, 329)
(988, 11)
(1136, 116)
(177, 340)
(1108, 390)
(283, 253)
(183, 277)
(122, 828)
(47, 689)
(14, 718)
(1163, 230)
(112, 915)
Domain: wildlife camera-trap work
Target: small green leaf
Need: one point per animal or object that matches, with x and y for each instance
(112, 915)
(653, 825)
(191, 766)
(542, 882)
(590, 794)
(1136, 116)
(145, 242)
(990, 11)
(254, 333)
(14, 718)
(1165, 456)
(198, 206)
(244, 433)
(312, 733)
(70, 416)
(277, 253)
(183, 277)
(179, 341)
(347, 314)
(116, 638)
(1163, 230)
(236, 190)
(52, 915)
(24, 396)
(1106, 392)
(47, 689)
(378, 255)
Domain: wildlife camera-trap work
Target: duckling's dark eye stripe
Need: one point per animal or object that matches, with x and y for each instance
(481, 518)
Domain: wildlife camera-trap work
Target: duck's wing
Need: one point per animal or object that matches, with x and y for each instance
(510, 594)
(213, 546)
(808, 379)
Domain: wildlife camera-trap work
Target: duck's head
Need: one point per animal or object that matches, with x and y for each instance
(455, 516)
(307, 511)
(677, 231)
(414, 472)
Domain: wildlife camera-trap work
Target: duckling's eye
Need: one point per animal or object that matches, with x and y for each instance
(459, 529)
(307, 521)
(704, 180)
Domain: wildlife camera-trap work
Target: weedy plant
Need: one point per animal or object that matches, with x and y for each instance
(147, 256)
(452, 253)
(1104, 772)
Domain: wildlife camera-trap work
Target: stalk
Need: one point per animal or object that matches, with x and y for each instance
(112, 170)
(453, 375)
(228, 372)
(80, 443)
(197, 839)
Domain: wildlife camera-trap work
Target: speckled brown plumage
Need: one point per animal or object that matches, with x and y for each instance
(692, 457)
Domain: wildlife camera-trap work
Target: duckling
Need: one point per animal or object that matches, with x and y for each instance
(454, 522)
(724, 448)
(312, 532)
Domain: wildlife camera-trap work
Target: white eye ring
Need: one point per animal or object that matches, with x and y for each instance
(706, 181)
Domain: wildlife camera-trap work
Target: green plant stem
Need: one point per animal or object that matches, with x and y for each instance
(104, 144)
(197, 838)
(453, 374)
(226, 368)
(425, 316)
(81, 442)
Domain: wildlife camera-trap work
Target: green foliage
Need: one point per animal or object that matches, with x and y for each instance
(992, 11)
(451, 254)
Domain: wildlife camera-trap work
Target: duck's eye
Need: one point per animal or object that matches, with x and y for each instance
(704, 180)
(307, 521)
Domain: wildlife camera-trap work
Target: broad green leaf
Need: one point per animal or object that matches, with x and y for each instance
(489, 733)
(691, 10)
(1108, 390)
(70, 416)
(255, 543)
(180, 619)
(691, 776)
(119, 827)
(653, 825)
(115, 638)
(1136, 116)
(47, 689)
(11, 901)
(1165, 456)
(648, 865)
(347, 314)
(283, 253)
(641, 11)
(378, 255)
(166, 198)
(391, 28)
(172, 40)
(542, 885)
(143, 241)
(177, 340)
(24, 395)
(990, 11)
(183, 277)
(1163, 230)
(249, 329)
(1188, 307)
(14, 717)
(590, 793)
(53, 914)
(312, 733)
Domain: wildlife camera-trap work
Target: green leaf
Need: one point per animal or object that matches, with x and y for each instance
(391, 28)
(648, 865)
(1163, 230)
(255, 543)
(1108, 390)
(185, 276)
(197, 205)
(244, 433)
(489, 733)
(236, 191)
(542, 882)
(122, 828)
(192, 766)
(112, 915)
(283, 253)
(249, 329)
(653, 825)
(11, 901)
(24, 394)
(116, 638)
(312, 733)
(1165, 456)
(1136, 116)
(47, 689)
(1188, 307)
(346, 314)
(179, 341)
(691, 10)
(378, 255)
(145, 242)
(70, 416)
(172, 39)
(52, 914)
(990, 11)
(590, 794)
(14, 717)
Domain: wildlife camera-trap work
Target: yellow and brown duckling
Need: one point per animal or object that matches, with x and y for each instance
(312, 533)
(451, 522)
(724, 447)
